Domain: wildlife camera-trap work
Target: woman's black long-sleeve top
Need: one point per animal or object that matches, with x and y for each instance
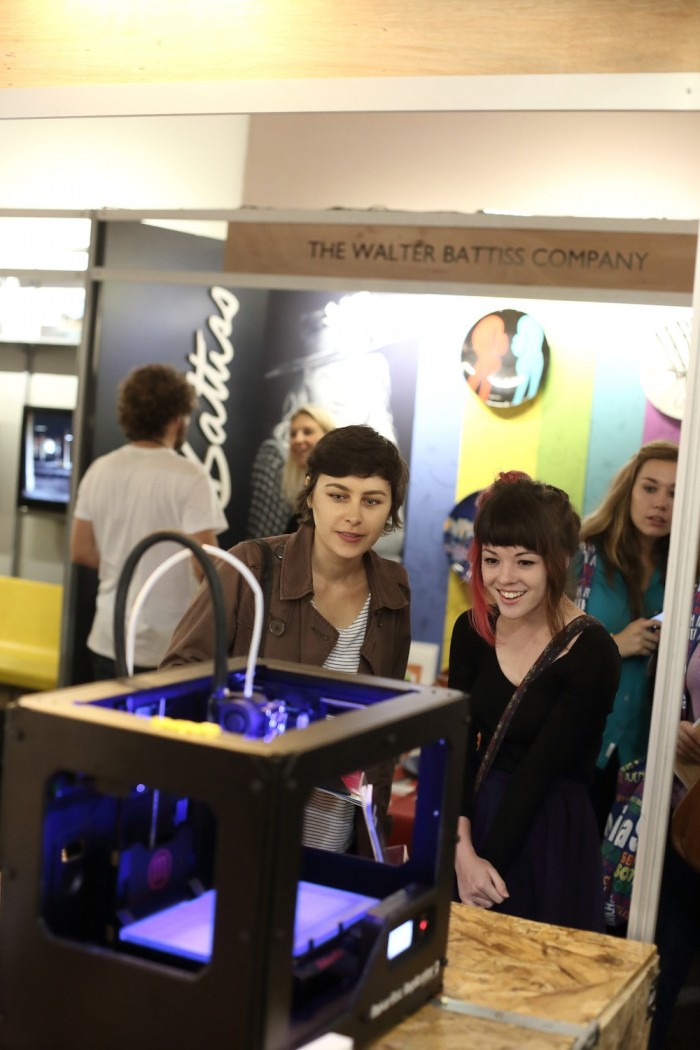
(555, 732)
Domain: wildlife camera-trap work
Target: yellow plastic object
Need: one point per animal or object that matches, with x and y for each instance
(185, 727)
(30, 632)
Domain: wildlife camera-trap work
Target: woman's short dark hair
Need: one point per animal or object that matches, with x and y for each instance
(150, 398)
(517, 511)
(356, 451)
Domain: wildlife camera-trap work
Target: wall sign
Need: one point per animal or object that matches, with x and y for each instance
(557, 258)
(209, 374)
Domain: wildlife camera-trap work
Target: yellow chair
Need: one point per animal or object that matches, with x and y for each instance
(30, 632)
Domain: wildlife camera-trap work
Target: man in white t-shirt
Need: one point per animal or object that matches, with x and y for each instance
(140, 488)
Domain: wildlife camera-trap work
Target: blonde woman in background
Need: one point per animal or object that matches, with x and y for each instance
(277, 480)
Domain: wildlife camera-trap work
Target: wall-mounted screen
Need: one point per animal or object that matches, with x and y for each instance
(46, 458)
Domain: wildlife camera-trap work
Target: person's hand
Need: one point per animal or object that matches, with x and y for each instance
(639, 638)
(478, 882)
(688, 746)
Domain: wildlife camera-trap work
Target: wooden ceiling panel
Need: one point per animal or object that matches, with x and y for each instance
(52, 43)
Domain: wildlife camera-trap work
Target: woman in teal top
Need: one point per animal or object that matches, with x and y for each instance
(620, 570)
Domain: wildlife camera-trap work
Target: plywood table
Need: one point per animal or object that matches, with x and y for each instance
(517, 985)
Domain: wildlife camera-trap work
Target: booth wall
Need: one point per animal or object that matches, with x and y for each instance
(638, 165)
(123, 162)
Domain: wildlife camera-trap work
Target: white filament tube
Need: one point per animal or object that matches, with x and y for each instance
(245, 572)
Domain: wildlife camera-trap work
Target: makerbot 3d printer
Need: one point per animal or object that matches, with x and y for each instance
(155, 889)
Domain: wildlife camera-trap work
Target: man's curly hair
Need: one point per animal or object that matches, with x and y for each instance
(150, 398)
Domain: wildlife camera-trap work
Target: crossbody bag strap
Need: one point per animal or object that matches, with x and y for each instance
(550, 652)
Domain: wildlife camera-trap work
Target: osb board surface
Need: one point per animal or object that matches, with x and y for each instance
(435, 1029)
(50, 43)
(547, 973)
(625, 1021)
(540, 970)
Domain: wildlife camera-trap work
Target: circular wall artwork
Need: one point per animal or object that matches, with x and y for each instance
(664, 369)
(505, 358)
(458, 535)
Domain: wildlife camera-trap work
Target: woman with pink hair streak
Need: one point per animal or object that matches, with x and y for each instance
(528, 840)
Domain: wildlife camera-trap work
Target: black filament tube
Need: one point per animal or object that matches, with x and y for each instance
(220, 677)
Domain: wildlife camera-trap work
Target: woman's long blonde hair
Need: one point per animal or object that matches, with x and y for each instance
(293, 476)
(611, 529)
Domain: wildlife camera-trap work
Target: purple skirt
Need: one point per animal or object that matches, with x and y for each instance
(557, 876)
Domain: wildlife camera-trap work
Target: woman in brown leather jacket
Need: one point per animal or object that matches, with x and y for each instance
(334, 602)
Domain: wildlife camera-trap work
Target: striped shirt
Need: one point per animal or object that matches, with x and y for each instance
(329, 821)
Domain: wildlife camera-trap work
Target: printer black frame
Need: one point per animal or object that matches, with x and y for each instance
(55, 992)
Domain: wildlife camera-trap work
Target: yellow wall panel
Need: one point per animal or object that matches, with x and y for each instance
(492, 440)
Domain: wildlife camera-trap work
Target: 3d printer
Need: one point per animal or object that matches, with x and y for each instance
(154, 886)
